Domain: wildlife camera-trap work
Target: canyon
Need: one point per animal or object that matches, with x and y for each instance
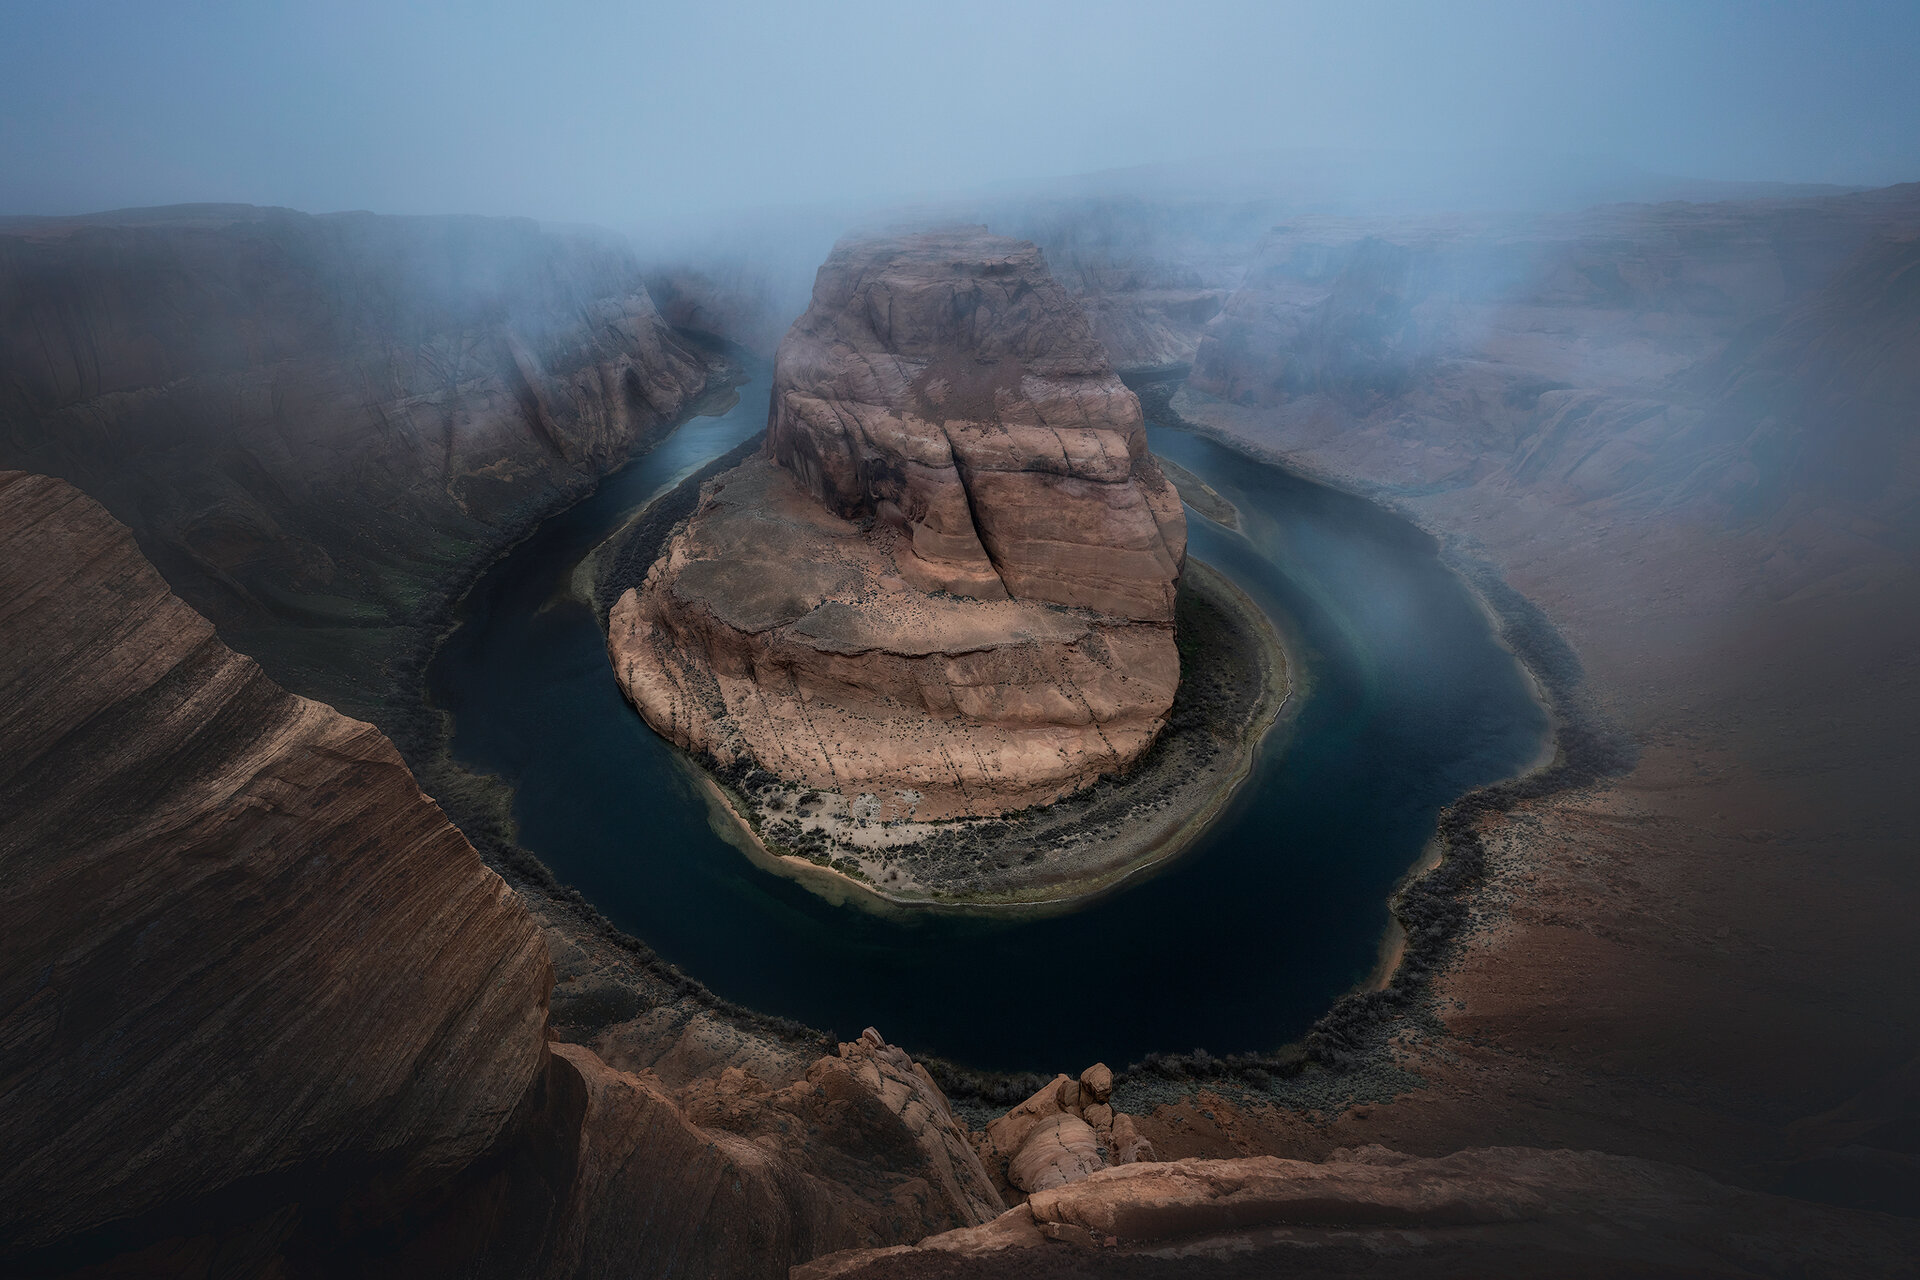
(266, 1010)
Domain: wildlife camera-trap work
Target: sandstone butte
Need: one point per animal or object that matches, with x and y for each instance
(948, 579)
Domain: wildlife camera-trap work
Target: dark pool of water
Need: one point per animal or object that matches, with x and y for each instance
(1238, 946)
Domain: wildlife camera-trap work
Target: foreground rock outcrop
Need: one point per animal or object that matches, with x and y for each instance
(240, 944)
(263, 1008)
(1371, 1212)
(949, 582)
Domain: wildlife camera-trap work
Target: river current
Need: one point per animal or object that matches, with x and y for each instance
(1404, 701)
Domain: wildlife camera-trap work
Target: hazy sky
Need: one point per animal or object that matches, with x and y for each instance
(617, 112)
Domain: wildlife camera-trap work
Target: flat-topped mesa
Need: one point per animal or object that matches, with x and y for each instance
(947, 384)
(948, 582)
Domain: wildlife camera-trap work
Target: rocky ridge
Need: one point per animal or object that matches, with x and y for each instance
(240, 943)
(1369, 1211)
(260, 1001)
(949, 583)
(1672, 441)
(1638, 356)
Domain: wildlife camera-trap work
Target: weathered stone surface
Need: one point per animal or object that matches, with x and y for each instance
(943, 425)
(1060, 1149)
(865, 1134)
(1493, 1211)
(1128, 1146)
(657, 1195)
(946, 383)
(1160, 1201)
(1647, 357)
(1003, 1137)
(239, 943)
(261, 1001)
(1096, 1082)
(905, 1089)
(1692, 449)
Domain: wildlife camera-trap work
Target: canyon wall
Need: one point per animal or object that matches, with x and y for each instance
(264, 1013)
(262, 1008)
(949, 582)
(1149, 273)
(243, 954)
(1369, 1211)
(1685, 432)
(1596, 352)
(1681, 435)
(315, 424)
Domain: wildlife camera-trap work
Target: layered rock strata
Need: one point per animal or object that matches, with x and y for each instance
(263, 1011)
(1645, 358)
(948, 583)
(239, 942)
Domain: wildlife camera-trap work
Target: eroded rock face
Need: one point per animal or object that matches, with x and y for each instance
(1489, 1211)
(263, 1011)
(1642, 357)
(318, 422)
(1060, 1150)
(905, 1089)
(239, 942)
(1064, 1132)
(950, 582)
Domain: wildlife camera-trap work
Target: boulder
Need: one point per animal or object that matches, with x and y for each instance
(1097, 1082)
(1059, 1150)
(1005, 1136)
(240, 945)
(1128, 1146)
